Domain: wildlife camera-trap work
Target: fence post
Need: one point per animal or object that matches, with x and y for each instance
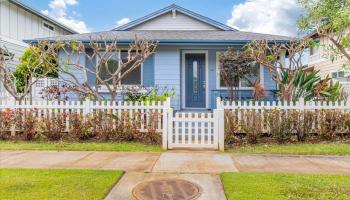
(219, 116)
(301, 104)
(166, 115)
(13, 106)
(86, 107)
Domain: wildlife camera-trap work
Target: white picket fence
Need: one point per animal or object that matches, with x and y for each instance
(145, 113)
(242, 110)
(283, 105)
(179, 130)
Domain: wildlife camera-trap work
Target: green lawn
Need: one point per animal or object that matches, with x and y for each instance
(56, 184)
(271, 186)
(298, 149)
(78, 146)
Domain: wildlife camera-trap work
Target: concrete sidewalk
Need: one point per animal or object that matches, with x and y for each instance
(175, 162)
(198, 167)
(128, 161)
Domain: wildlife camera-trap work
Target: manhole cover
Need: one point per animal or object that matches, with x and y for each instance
(166, 189)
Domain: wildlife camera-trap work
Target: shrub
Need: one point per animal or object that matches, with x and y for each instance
(53, 126)
(302, 123)
(29, 124)
(80, 128)
(251, 125)
(231, 127)
(7, 118)
(331, 123)
(144, 94)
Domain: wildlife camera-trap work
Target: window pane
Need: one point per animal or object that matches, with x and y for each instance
(341, 74)
(249, 80)
(109, 68)
(223, 84)
(334, 75)
(134, 77)
(195, 77)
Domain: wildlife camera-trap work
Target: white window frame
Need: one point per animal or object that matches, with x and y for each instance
(337, 71)
(103, 88)
(219, 87)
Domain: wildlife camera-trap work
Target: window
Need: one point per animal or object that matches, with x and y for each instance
(108, 69)
(314, 48)
(48, 26)
(249, 80)
(339, 74)
(133, 78)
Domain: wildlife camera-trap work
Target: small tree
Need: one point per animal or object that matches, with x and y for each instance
(30, 61)
(19, 86)
(234, 66)
(293, 81)
(329, 19)
(102, 62)
(271, 55)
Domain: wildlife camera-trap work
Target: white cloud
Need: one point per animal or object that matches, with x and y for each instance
(58, 10)
(123, 21)
(266, 16)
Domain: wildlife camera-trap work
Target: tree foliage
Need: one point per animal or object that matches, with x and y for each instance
(329, 19)
(272, 56)
(31, 63)
(310, 86)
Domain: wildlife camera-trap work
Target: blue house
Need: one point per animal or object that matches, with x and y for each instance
(186, 58)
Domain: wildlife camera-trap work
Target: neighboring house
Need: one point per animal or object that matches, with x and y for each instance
(19, 21)
(187, 56)
(319, 59)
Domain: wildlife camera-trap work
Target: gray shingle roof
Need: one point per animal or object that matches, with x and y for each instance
(173, 36)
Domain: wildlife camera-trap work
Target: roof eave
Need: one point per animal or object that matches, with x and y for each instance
(179, 42)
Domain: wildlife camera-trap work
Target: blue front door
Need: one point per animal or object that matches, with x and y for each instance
(195, 80)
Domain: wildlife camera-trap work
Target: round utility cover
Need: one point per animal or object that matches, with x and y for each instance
(167, 189)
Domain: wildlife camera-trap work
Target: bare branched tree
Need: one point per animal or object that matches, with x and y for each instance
(271, 55)
(234, 66)
(101, 60)
(33, 66)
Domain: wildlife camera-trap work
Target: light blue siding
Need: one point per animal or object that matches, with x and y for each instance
(77, 73)
(268, 82)
(167, 71)
(148, 72)
(164, 69)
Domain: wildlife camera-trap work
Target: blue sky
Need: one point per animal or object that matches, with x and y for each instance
(269, 16)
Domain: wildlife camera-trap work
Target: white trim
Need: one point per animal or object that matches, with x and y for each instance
(183, 82)
(217, 67)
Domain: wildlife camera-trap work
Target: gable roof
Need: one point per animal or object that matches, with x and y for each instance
(41, 15)
(177, 8)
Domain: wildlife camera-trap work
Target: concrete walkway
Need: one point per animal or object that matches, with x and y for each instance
(199, 167)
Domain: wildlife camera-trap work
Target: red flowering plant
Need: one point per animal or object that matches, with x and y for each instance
(80, 126)
(53, 126)
(30, 124)
(7, 118)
